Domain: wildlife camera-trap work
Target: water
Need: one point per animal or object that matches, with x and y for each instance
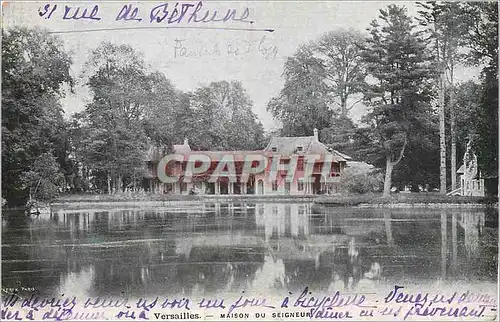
(191, 248)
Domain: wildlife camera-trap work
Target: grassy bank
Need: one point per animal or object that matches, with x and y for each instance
(348, 200)
(403, 198)
(105, 198)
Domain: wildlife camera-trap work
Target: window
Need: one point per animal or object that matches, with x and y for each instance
(274, 149)
(275, 185)
(300, 186)
(299, 148)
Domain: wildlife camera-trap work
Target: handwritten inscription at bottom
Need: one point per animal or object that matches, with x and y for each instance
(399, 303)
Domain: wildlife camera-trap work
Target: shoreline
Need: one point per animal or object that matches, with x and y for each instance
(353, 201)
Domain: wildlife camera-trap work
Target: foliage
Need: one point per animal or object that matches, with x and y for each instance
(302, 104)
(344, 68)
(467, 108)
(36, 70)
(401, 118)
(224, 119)
(445, 25)
(134, 110)
(341, 136)
(162, 112)
(358, 181)
(113, 140)
(482, 40)
(482, 33)
(44, 178)
(319, 80)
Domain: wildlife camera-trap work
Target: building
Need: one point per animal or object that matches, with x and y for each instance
(320, 176)
(471, 182)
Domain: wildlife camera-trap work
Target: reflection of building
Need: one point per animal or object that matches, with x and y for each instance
(281, 152)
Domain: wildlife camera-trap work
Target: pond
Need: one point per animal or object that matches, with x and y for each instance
(189, 248)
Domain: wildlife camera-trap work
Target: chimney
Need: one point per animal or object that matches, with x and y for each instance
(186, 141)
(316, 134)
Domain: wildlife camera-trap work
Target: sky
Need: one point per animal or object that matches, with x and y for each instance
(194, 57)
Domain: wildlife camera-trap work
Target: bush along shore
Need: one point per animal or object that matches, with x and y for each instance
(406, 200)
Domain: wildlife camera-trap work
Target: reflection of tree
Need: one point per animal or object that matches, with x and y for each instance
(301, 273)
(473, 225)
(270, 275)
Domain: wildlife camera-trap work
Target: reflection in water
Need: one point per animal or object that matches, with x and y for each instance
(207, 248)
(473, 225)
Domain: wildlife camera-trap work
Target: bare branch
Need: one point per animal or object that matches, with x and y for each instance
(350, 108)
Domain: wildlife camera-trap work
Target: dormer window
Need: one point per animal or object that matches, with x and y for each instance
(274, 149)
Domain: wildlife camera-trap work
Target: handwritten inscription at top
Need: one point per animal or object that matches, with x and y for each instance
(169, 13)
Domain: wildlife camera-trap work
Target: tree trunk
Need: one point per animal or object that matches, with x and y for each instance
(388, 177)
(442, 138)
(343, 106)
(119, 185)
(453, 131)
(109, 184)
(390, 166)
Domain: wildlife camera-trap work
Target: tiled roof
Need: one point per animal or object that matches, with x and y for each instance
(287, 146)
(343, 155)
(218, 155)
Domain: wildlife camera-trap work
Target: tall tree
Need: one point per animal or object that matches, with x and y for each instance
(468, 107)
(341, 136)
(446, 27)
(113, 120)
(482, 40)
(35, 72)
(160, 112)
(302, 104)
(224, 118)
(398, 60)
(345, 73)
(321, 79)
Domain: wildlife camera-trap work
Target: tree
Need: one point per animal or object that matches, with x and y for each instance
(467, 107)
(43, 179)
(398, 61)
(224, 118)
(114, 141)
(160, 111)
(302, 104)
(36, 71)
(446, 26)
(341, 136)
(318, 77)
(339, 51)
(482, 41)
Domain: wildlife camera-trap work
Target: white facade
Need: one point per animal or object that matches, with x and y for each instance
(471, 183)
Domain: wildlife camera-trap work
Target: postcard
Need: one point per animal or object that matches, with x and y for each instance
(249, 161)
